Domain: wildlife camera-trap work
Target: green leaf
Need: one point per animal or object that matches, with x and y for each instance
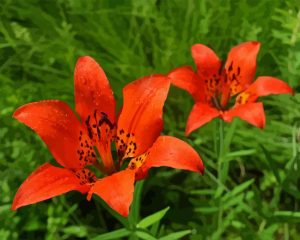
(233, 155)
(78, 231)
(144, 235)
(238, 189)
(151, 219)
(272, 164)
(117, 234)
(288, 214)
(229, 135)
(177, 235)
(207, 210)
(134, 215)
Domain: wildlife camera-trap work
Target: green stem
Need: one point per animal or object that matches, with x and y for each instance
(220, 168)
(220, 148)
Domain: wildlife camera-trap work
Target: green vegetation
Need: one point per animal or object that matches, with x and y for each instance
(257, 194)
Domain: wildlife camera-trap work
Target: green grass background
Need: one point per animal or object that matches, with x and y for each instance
(257, 197)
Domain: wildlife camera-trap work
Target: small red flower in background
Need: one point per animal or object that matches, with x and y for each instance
(74, 143)
(213, 86)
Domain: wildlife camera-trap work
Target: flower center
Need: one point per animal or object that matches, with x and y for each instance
(96, 142)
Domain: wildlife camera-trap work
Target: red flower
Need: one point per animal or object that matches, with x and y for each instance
(213, 86)
(75, 144)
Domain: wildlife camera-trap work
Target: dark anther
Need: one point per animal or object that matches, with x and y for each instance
(220, 70)
(98, 133)
(90, 132)
(230, 67)
(104, 119)
(128, 135)
(233, 77)
(238, 71)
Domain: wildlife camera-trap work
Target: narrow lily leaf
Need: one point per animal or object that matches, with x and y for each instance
(235, 154)
(145, 235)
(238, 189)
(233, 201)
(229, 135)
(154, 228)
(134, 214)
(148, 221)
(287, 214)
(117, 234)
(272, 164)
(207, 210)
(203, 192)
(177, 235)
(77, 231)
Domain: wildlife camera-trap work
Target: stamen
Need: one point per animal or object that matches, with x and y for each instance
(137, 162)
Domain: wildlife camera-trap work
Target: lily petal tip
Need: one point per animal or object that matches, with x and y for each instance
(202, 170)
(84, 59)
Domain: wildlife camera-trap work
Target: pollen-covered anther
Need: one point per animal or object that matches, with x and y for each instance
(246, 97)
(242, 98)
(86, 176)
(137, 162)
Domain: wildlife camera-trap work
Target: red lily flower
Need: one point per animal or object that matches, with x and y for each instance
(213, 86)
(74, 143)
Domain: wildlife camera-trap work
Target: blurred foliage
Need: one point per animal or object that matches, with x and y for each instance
(257, 196)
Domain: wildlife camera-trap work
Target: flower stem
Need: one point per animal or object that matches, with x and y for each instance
(220, 148)
(221, 155)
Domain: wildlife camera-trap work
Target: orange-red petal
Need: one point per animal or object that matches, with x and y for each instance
(263, 86)
(171, 152)
(209, 68)
(116, 190)
(187, 79)
(240, 66)
(60, 129)
(201, 114)
(252, 113)
(92, 90)
(140, 121)
(46, 182)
